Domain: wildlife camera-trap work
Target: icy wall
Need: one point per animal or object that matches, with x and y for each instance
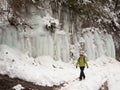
(67, 40)
(39, 42)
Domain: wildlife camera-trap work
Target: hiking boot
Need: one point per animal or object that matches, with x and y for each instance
(80, 79)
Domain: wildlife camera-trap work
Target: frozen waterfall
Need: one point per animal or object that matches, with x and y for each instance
(37, 42)
(41, 42)
(98, 43)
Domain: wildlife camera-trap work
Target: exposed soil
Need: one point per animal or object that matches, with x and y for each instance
(104, 86)
(7, 83)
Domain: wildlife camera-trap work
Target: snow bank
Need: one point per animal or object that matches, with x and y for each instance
(18, 87)
(41, 71)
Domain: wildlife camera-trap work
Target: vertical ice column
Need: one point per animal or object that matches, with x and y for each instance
(110, 46)
(90, 47)
(98, 43)
(105, 44)
(42, 44)
(27, 45)
(9, 36)
(61, 46)
(0, 35)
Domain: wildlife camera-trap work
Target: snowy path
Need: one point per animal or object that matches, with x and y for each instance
(80, 85)
(74, 84)
(97, 75)
(87, 84)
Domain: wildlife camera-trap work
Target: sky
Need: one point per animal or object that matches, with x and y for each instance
(45, 71)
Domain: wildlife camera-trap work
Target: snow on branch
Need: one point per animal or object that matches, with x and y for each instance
(51, 23)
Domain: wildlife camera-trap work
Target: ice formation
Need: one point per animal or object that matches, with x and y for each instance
(41, 42)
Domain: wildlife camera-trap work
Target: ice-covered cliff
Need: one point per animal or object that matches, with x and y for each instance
(56, 29)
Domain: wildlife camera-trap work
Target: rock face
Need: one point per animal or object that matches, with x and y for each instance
(54, 28)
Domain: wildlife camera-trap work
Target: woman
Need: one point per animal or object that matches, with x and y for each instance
(81, 62)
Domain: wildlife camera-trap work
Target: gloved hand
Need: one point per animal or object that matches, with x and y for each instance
(76, 66)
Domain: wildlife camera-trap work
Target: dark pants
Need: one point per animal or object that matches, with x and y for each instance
(82, 75)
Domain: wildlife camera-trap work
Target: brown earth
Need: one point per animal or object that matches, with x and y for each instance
(104, 86)
(6, 83)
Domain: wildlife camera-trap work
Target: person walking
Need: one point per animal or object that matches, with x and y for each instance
(81, 62)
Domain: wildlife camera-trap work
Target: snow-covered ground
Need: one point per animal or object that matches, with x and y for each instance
(101, 70)
(45, 71)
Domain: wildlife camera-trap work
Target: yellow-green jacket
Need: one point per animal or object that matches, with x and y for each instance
(81, 62)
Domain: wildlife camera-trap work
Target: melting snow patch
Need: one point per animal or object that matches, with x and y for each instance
(18, 87)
